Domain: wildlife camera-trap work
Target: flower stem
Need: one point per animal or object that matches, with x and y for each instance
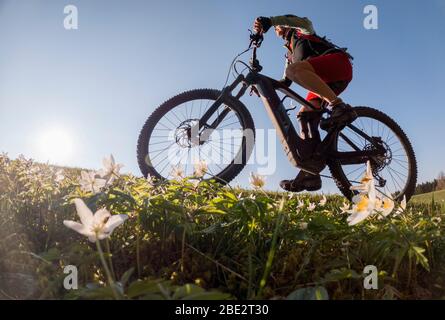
(138, 254)
(183, 250)
(107, 270)
(110, 260)
(273, 247)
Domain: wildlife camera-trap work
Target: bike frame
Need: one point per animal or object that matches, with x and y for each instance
(293, 144)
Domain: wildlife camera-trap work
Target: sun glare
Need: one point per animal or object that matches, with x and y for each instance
(55, 145)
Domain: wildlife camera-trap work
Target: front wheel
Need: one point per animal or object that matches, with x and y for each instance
(395, 173)
(167, 148)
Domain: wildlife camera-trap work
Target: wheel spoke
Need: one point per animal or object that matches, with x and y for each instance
(355, 170)
(160, 151)
(172, 131)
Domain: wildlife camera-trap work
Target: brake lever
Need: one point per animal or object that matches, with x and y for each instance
(256, 38)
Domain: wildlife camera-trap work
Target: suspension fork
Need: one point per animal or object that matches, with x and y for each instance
(206, 129)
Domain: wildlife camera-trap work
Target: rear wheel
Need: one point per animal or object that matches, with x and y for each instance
(395, 173)
(166, 145)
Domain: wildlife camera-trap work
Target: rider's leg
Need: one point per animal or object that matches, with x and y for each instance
(309, 119)
(309, 133)
(303, 181)
(303, 73)
(315, 74)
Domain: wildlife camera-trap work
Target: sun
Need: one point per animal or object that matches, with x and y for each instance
(55, 145)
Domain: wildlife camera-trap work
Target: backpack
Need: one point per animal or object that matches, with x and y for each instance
(308, 46)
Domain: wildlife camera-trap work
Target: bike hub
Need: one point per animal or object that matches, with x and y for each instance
(378, 163)
(185, 136)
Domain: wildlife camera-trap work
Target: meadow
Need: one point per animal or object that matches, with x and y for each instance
(430, 197)
(193, 239)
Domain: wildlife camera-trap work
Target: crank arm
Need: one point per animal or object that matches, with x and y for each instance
(354, 157)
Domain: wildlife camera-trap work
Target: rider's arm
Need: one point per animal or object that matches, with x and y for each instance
(304, 25)
(285, 80)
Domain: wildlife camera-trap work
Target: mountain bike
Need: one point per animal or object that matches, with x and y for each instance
(193, 126)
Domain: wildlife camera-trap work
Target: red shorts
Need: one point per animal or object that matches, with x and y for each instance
(335, 69)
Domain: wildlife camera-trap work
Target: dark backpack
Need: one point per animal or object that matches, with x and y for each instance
(308, 46)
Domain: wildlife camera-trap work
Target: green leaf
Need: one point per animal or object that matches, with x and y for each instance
(187, 290)
(420, 257)
(211, 295)
(152, 296)
(126, 276)
(143, 287)
(231, 196)
(97, 293)
(210, 210)
(124, 196)
(212, 229)
(321, 224)
(341, 274)
(50, 255)
(309, 293)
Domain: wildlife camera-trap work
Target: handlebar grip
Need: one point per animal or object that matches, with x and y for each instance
(256, 38)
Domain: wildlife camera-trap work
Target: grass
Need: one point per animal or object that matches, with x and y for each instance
(197, 240)
(427, 198)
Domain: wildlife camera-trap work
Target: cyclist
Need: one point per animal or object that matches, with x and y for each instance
(320, 67)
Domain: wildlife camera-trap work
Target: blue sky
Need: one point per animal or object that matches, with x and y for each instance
(100, 82)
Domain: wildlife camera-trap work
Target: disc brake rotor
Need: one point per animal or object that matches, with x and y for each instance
(184, 135)
(380, 162)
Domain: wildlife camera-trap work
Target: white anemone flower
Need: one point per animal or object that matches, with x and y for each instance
(96, 227)
(257, 181)
(89, 182)
(363, 204)
(436, 220)
(402, 207)
(151, 180)
(311, 206)
(300, 204)
(346, 206)
(110, 169)
(201, 169)
(385, 206)
(177, 172)
(366, 181)
(323, 201)
(363, 207)
(195, 183)
(59, 176)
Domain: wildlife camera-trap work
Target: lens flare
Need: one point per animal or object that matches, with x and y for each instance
(55, 145)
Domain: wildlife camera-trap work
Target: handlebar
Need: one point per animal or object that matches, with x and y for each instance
(256, 39)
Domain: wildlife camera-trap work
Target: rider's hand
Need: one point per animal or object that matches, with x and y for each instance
(287, 82)
(262, 24)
